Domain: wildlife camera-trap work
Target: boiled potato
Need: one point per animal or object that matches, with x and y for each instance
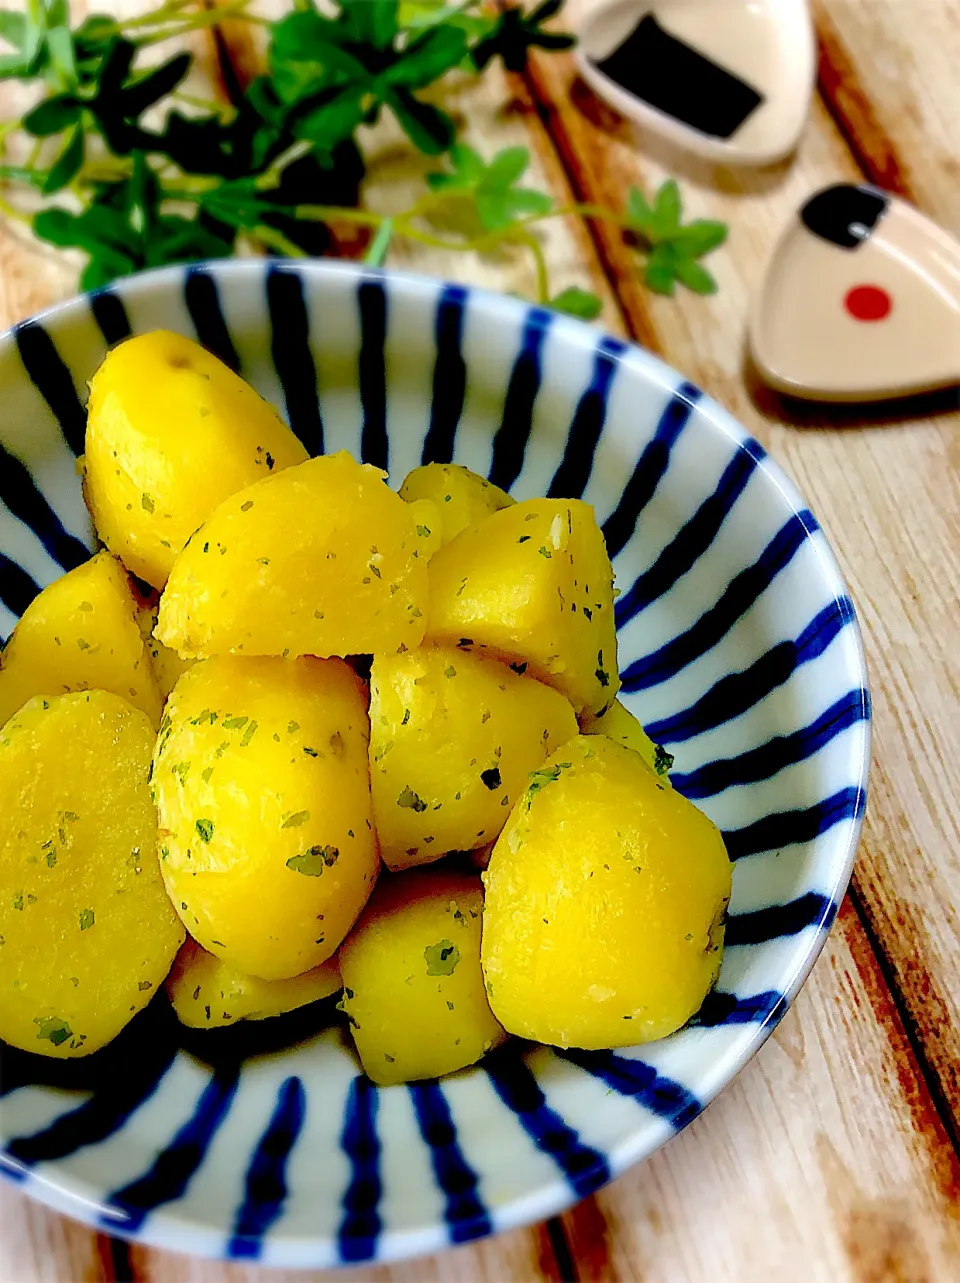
(412, 986)
(619, 724)
(167, 665)
(532, 584)
(605, 896)
(429, 527)
(322, 559)
(208, 993)
(87, 933)
(171, 432)
(463, 498)
(453, 738)
(80, 633)
(266, 832)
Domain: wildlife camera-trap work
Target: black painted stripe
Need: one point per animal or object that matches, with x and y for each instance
(266, 1184)
(171, 1173)
(516, 424)
(571, 477)
(465, 1214)
(789, 828)
(661, 1095)
(203, 303)
(449, 377)
(693, 538)
(734, 694)
(585, 1168)
(361, 1223)
(50, 376)
(719, 1008)
(650, 468)
(102, 1116)
(20, 494)
(111, 316)
(17, 588)
(764, 761)
(714, 624)
(372, 372)
(292, 358)
(810, 910)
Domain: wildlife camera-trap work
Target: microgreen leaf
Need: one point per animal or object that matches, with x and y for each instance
(68, 163)
(577, 302)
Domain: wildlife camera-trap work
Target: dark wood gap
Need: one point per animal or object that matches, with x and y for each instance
(928, 1072)
(853, 113)
(115, 1259)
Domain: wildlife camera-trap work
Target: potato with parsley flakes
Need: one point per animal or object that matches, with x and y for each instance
(453, 738)
(87, 934)
(620, 725)
(322, 559)
(605, 901)
(533, 586)
(463, 498)
(412, 986)
(171, 432)
(80, 633)
(207, 993)
(262, 787)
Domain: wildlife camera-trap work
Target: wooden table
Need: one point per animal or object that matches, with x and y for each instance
(834, 1155)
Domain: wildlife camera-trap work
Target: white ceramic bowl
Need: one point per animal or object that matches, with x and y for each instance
(738, 648)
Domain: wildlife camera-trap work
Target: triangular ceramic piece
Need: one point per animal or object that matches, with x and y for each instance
(861, 301)
(729, 80)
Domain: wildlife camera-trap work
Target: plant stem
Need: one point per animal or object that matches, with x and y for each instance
(273, 239)
(378, 250)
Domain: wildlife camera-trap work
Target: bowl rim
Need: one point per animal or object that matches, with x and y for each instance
(165, 1228)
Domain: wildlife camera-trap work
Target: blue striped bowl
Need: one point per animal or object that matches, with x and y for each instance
(738, 648)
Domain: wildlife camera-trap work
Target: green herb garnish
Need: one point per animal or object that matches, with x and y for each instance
(441, 958)
(281, 160)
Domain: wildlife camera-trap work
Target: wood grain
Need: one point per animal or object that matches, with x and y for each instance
(827, 1158)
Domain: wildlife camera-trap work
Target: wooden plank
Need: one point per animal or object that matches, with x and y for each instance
(39, 1246)
(824, 1160)
(885, 488)
(889, 73)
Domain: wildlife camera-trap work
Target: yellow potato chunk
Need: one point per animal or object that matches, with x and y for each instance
(208, 993)
(605, 896)
(453, 739)
(266, 832)
(412, 986)
(463, 498)
(620, 725)
(171, 432)
(167, 665)
(322, 559)
(429, 526)
(87, 933)
(532, 584)
(80, 633)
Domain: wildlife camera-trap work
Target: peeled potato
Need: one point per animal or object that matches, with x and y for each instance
(462, 497)
(322, 559)
(412, 986)
(80, 633)
(605, 896)
(266, 831)
(533, 586)
(429, 526)
(208, 993)
(87, 933)
(453, 739)
(171, 432)
(620, 725)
